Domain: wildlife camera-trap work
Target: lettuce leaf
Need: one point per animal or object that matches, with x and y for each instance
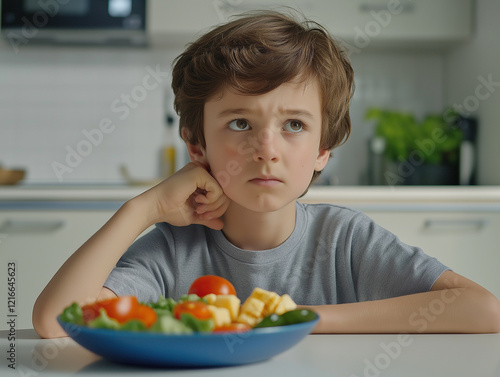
(166, 324)
(163, 305)
(73, 314)
(104, 322)
(197, 325)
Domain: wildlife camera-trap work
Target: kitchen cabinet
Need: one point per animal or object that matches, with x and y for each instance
(458, 225)
(41, 226)
(466, 241)
(360, 23)
(38, 243)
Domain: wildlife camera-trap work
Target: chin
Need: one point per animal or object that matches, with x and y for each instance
(265, 203)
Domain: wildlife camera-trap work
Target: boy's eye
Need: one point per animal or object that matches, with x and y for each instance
(239, 125)
(293, 126)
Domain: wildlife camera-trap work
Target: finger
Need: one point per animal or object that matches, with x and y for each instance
(216, 209)
(202, 208)
(210, 185)
(201, 199)
(217, 214)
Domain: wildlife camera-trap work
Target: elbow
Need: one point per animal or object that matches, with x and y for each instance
(494, 314)
(490, 318)
(44, 323)
(39, 321)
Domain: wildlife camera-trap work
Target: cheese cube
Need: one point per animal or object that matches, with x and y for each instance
(230, 302)
(220, 316)
(253, 307)
(272, 304)
(270, 299)
(210, 298)
(285, 304)
(248, 319)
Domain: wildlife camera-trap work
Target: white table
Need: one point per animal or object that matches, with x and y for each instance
(316, 355)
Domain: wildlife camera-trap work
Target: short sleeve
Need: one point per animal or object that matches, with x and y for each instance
(145, 270)
(383, 266)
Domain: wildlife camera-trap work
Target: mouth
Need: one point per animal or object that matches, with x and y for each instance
(266, 181)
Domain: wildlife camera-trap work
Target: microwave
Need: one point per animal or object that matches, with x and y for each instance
(102, 22)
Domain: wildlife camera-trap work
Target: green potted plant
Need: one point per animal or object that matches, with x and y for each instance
(416, 153)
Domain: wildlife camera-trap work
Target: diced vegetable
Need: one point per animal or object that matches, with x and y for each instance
(167, 324)
(103, 321)
(162, 305)
(73, 314)
(289, 318)
(191, 297)
(122, 309)
(197, 309)
(197, 325)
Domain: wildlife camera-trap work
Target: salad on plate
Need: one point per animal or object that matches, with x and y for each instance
(210, 306)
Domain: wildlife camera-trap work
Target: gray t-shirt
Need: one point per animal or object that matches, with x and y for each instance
(334, 255)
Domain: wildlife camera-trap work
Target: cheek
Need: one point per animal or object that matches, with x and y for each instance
(224, 150)
(305, 158)
(223, 154)
(225, 164)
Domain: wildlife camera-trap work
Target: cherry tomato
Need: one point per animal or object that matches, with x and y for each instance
(145, 314)
(121, 309)
(233, 327)
(197, 309)
(207, 284)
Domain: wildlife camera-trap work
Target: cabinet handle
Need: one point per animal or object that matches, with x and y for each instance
(30, 226)
(455, 224)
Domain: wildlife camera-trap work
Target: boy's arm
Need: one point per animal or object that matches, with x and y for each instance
(190, 196)
(454, 305)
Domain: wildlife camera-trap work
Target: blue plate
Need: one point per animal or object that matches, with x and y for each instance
(194, 350)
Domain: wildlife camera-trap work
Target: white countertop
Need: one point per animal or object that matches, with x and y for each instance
(338, 194)
(404, 194)
(70, 192)
(362, 197)
(316, 356)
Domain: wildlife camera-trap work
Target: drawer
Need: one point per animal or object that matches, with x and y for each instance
(467, 242)
(38, 243)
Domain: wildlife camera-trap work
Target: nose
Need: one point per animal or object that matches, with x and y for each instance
(265, 148)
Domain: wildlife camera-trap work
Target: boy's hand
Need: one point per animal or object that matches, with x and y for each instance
(190, 196)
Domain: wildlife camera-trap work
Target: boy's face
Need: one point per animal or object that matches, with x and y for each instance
(263, 149)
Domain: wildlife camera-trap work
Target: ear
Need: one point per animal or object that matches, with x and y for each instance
(322, 159)
(196, 151)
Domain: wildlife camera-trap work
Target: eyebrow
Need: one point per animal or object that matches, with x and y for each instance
(289, 112)
(227, 112)
(298, 112)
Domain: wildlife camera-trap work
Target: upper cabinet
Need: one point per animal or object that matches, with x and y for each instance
(359, 23)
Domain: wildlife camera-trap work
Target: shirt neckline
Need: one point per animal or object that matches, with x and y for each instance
(264, 256)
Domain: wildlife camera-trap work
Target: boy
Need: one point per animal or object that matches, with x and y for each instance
(262, 100)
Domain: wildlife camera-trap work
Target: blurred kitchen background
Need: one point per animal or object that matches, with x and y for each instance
(95, 106)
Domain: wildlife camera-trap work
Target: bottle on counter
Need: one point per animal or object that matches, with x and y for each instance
(168, 152)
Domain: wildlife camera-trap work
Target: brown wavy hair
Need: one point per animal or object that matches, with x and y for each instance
(255, 54)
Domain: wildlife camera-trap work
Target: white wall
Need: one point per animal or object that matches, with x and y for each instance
(50, 98)
(466, 67)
